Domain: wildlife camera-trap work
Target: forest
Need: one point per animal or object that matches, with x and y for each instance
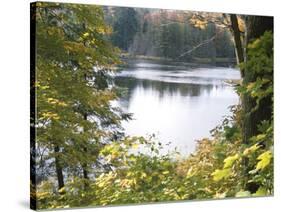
(81, 156)
(167, 34)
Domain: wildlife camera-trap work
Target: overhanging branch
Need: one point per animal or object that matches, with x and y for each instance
(198, 46)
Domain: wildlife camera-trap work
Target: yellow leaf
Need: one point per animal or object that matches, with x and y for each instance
(264, 160)
(86, 34)
(251, 149)
(228, 162)
(221, 174)
(135, 146)
(243, 194)
(143, 175)
(62, 190)
(165, 172)
(260, 192)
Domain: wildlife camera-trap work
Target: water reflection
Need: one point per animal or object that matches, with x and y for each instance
(178, 106)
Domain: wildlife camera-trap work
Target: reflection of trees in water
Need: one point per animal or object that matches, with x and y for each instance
(163, 89)
(160, 65)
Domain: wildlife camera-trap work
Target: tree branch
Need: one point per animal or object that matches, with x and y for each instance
(198, 46)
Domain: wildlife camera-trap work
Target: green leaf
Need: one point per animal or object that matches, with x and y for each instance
(260, 192)
(243, 194)
(264, 160)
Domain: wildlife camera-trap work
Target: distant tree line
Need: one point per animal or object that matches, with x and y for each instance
(165, 33)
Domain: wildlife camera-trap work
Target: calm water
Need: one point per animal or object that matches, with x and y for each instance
(179, 104)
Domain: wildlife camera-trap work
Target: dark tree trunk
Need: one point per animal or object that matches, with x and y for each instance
(237, 40)
(85, 165)
(255, 27)
(85, 172)
(59, 168)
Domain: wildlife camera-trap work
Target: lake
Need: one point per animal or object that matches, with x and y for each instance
(178, 103)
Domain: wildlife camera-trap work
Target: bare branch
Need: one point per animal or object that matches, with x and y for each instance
(198, 46)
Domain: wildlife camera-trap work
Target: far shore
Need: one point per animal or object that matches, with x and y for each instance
(196, 62)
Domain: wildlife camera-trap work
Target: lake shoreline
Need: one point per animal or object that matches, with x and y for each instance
(195, 62)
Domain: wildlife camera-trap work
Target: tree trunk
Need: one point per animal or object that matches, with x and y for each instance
(85, 165)
(237, 40)
(255, 27)
(59, 168)
(85, 172)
